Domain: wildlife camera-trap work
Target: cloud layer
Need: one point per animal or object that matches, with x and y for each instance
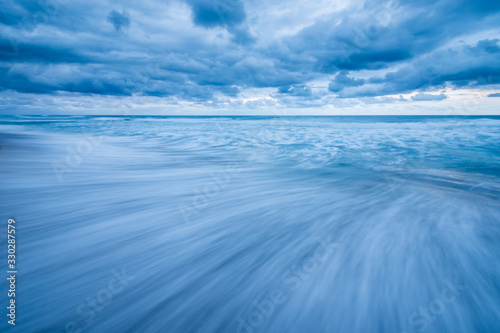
(230, 51)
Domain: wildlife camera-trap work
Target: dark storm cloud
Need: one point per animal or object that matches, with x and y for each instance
(462, 66)
(342, 81)
(211, 13)
(200, 49)
(382, 36)
(428, 97)
(229, 14)
(119, 20)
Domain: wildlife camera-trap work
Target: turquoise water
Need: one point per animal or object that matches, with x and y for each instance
(253, 224)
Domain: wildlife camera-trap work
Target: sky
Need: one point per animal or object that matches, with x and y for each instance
(250, 57)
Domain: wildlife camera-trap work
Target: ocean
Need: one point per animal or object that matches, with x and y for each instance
(252, 224)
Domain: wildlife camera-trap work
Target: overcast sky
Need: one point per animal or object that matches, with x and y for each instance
(249, 57)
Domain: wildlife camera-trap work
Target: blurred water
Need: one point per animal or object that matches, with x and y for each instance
(261, 224)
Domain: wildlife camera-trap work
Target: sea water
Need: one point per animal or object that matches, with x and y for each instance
(253, 224)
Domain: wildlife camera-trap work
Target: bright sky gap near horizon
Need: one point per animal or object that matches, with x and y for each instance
(249, 57)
